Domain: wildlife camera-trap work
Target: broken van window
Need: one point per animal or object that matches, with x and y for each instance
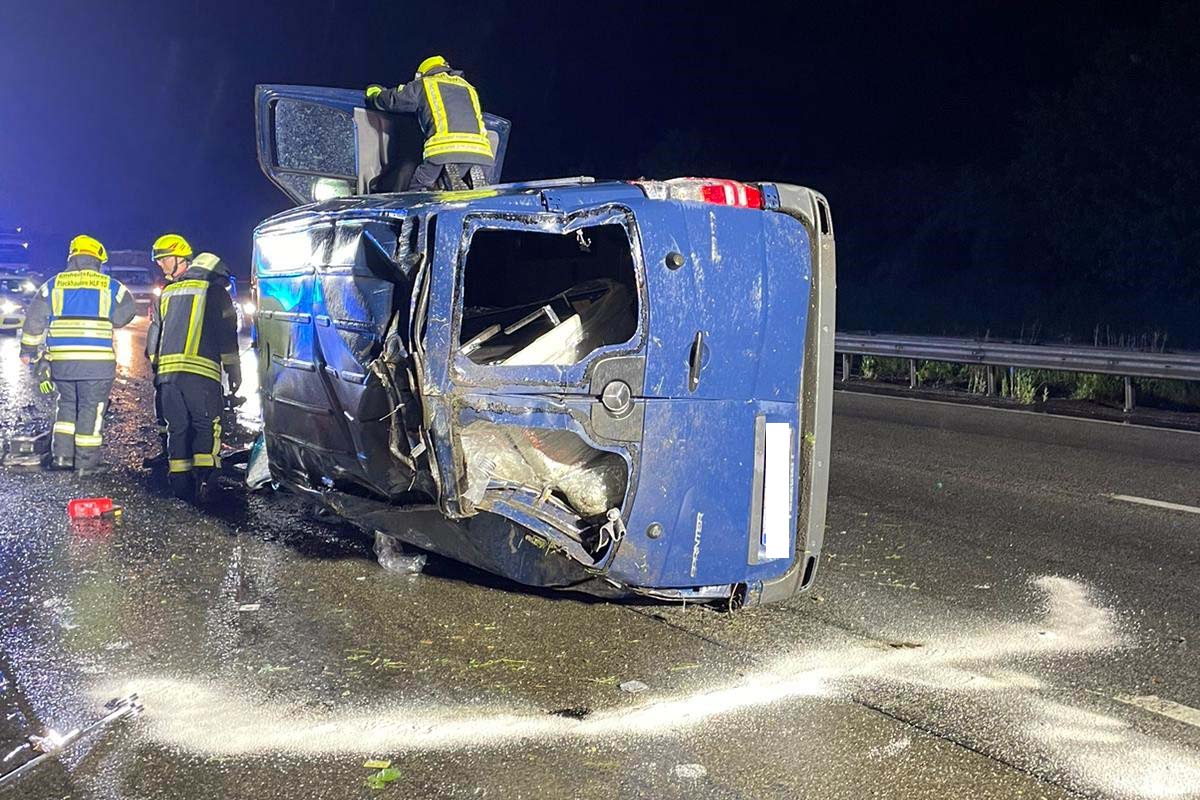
(535, 297)
(310, 137)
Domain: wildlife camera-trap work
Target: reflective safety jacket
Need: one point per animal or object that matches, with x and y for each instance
(154, 317)
(447, 108)
(73, 315)
(195, 332)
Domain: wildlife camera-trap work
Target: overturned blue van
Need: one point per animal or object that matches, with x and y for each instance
(615, 387)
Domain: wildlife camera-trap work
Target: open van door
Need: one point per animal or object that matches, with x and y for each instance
(317, 143)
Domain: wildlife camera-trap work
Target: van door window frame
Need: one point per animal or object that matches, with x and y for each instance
(466, 372)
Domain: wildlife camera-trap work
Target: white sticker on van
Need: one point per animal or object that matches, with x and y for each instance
(778, 487)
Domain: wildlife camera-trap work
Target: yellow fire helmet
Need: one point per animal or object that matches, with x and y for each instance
(430, 63)
(87, 246)
(171, 244)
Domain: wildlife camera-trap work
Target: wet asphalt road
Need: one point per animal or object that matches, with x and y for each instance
(985, 624)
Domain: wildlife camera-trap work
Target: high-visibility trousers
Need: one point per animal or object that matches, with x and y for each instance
(79, 421)
(192, 405)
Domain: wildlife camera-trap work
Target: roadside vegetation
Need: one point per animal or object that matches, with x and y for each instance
(1029, 386)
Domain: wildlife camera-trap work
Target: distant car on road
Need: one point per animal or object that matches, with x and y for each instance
(17, 283)
(17, 288)
(137, 271)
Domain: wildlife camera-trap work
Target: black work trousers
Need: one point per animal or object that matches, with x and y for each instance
(79, 420)
(427, 175)
(160, 420)
(192, 406)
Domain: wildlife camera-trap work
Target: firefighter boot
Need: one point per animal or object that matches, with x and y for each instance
(182, 485)
(159, 459)
(149, 462)
(206, 486)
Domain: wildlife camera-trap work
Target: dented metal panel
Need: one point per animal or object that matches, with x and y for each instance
(333, 296)
(624, 463)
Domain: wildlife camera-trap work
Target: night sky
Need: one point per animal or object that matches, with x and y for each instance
(935, 129)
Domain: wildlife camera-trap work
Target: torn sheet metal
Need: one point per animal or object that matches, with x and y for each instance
(599, 435)
(546, 461)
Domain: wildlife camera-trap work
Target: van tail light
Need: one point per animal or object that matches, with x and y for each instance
(704, 190)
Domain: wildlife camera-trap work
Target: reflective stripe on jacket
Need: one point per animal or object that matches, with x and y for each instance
(197, 330)
(448, 110)
(73, 316)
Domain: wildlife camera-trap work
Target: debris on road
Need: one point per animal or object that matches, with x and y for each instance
(53, 742)
(26, 450)
(93, 508)
(692, 771)
(382, 778)
(392, 557)
(633, 687)
(575, 712)
(258, 468)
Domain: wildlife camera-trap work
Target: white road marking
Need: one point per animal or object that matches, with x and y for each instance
(1146, 501)
(1165, 708)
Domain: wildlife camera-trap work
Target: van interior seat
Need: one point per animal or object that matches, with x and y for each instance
(595, 324)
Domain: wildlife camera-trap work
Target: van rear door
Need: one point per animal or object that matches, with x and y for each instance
(316, 143)
(729, 290)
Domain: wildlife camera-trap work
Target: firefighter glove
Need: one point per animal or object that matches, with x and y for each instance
(234, 373)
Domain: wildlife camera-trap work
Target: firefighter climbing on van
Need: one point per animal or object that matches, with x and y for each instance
(193, 339)
(72, 316)
(457, 148)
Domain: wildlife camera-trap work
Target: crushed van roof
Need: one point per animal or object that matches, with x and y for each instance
(525, 196)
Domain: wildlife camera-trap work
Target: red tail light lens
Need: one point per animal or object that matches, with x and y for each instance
(705, 190)
(731, 193)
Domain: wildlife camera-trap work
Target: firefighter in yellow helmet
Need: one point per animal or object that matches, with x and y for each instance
(72, 317)
(171, 253)
(457, 149)
(191, 340)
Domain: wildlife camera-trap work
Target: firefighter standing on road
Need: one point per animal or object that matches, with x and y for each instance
(73, 315)
(171, 253)
(194, 339)
(448, 111)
